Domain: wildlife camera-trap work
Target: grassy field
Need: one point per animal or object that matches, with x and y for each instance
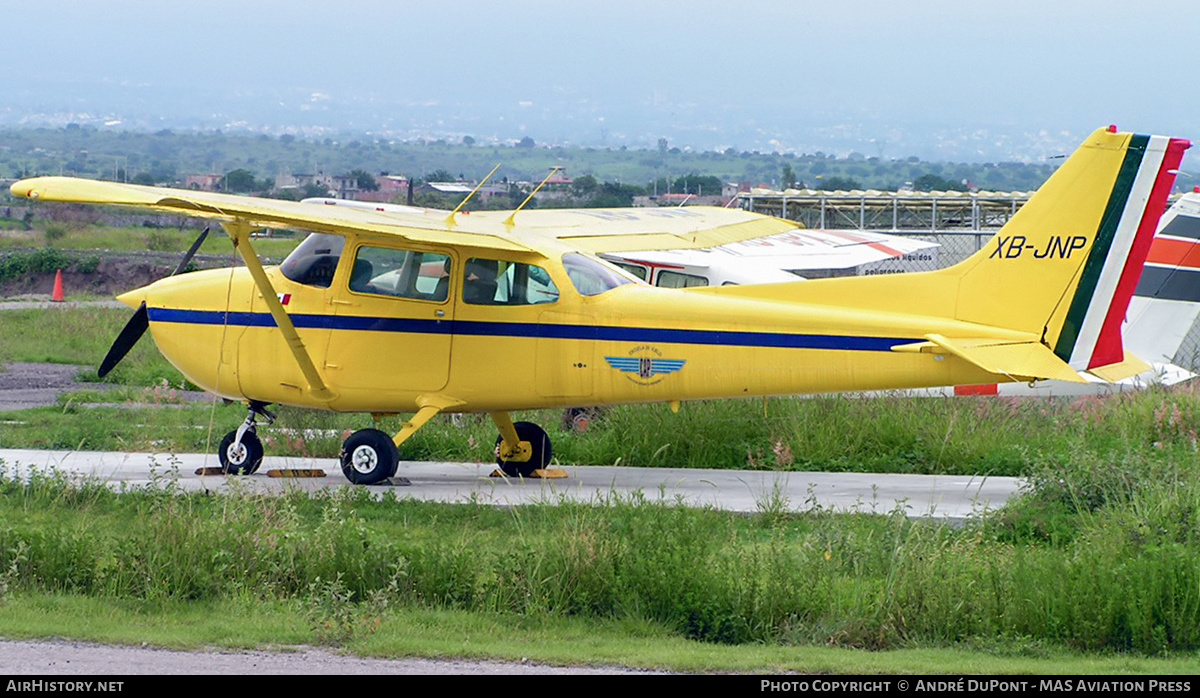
(1095, 568)
(1099, 574)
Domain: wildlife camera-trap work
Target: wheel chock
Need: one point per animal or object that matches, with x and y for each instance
(296, 472)
(274, 472)
(539, 474)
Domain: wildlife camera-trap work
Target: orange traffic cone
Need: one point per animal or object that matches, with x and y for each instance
(57, 296)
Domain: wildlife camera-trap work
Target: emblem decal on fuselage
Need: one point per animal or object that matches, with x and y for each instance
(645, 366)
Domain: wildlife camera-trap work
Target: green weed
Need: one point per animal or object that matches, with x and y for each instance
(1124, 581)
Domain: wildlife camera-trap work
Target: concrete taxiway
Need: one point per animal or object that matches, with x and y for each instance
(939, 496)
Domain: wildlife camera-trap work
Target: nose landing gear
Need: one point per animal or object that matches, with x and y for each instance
(241, 451)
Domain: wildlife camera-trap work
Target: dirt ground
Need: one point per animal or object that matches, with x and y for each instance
(115, 274)
(62, 658)
(24, 386)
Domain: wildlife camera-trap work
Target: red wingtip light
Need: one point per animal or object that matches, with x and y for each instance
(1196, 190)
(1112, 128)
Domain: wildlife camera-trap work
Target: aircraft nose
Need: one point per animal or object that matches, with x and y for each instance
(22, 189)
(133, 298)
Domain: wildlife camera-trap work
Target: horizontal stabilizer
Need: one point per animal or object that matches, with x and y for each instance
(1128, 368)
(1017, 360)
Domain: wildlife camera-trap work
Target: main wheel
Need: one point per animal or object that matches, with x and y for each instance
(580, 419)
(368, 457)
(538, 441)
(245, 458)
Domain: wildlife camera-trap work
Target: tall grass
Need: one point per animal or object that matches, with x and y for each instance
(1125, 580)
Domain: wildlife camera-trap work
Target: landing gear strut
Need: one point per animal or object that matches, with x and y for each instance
(241, 452)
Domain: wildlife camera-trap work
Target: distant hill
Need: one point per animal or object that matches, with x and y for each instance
(167, 157)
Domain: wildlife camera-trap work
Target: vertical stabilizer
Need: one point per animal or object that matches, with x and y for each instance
(1067, 264)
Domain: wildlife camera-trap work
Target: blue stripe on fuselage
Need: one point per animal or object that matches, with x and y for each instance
(536, 330)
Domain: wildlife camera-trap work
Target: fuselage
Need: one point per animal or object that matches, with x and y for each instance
(554, 332)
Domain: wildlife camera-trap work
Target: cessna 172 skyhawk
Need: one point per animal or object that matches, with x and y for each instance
(391, 313)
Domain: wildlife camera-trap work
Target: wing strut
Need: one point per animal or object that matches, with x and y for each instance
(239, 231)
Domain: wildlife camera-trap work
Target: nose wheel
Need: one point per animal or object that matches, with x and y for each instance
(241, 451)
(240, 457)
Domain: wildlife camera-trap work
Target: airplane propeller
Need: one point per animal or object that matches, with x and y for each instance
(140, 322)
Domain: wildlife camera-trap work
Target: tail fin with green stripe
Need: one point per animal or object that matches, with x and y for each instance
(1067, 264)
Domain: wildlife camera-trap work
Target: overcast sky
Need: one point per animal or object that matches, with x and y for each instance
(582, 70)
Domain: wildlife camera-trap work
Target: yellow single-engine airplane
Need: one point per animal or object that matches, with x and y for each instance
(390, 312)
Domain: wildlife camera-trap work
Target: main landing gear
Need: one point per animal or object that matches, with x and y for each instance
(532, 453)
(370, 456)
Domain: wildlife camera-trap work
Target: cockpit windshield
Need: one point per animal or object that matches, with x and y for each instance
(315, 260)
(590, 277)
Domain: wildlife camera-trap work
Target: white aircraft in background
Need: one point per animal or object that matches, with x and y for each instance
(808, 254)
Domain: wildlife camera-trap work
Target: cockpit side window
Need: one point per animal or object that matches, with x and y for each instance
(591, 278)
(315, 260)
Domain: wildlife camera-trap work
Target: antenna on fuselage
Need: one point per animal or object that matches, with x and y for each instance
(510, 221)
(450, 219)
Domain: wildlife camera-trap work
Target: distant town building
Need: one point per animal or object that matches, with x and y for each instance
(203, 182)
(337, 186)
(392, 189)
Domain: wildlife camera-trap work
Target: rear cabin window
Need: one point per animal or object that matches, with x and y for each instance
(636, 269)
(315, 260)
(497, 282)
(675, 279)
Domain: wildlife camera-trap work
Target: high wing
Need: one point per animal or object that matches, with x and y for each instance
(260, 213)
(589, 230)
